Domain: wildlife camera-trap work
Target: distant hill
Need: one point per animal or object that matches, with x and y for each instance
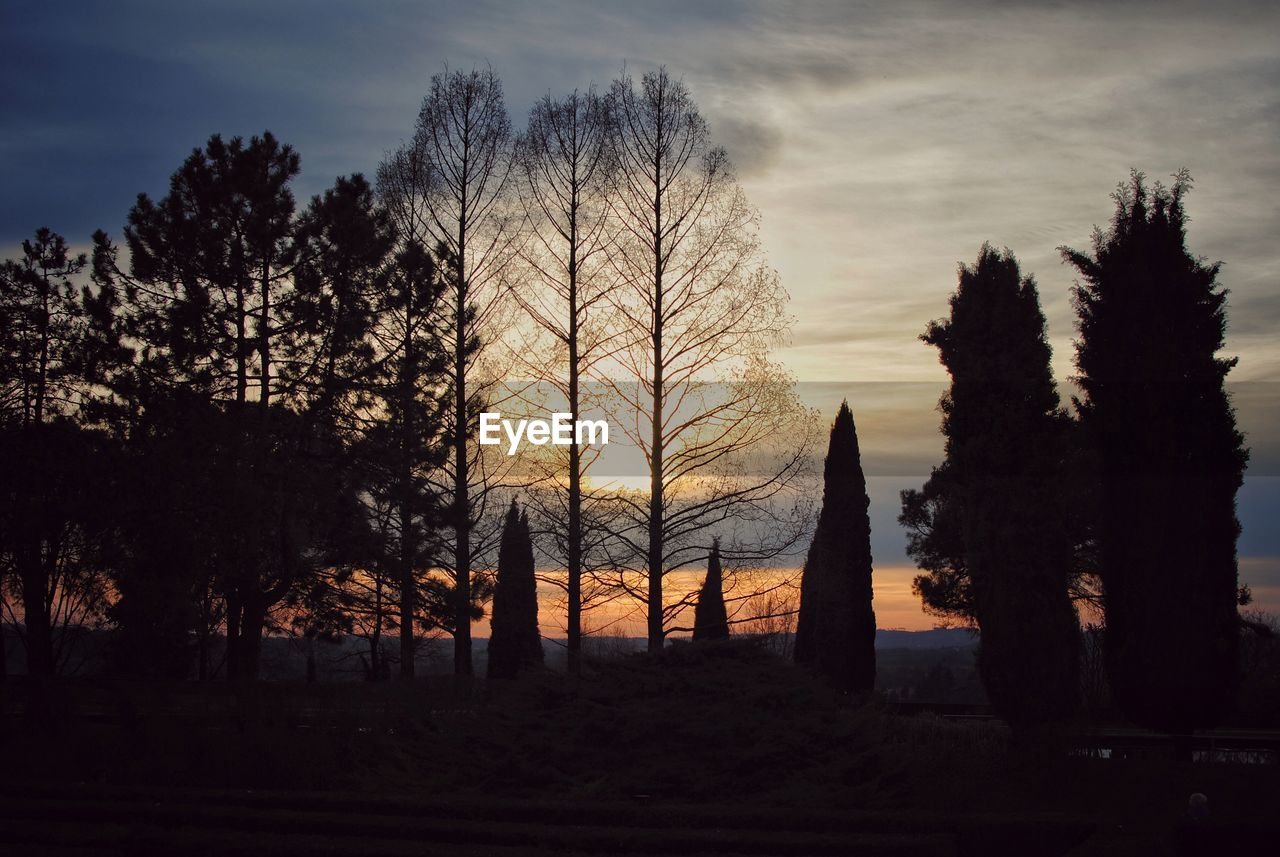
(285, 658)
(936, 638)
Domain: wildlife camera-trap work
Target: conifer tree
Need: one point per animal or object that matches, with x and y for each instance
(1001, 487)
(837, 625)
(405, 439)
(52, 482)
(246, 318)
(515, 644)
(1152, 318)
(805, 651)
(710, 621)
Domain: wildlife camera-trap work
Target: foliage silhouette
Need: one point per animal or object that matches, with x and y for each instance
(710, 621)
(836, 630)
(515, 644)
(1152, 318)
(1001, 491)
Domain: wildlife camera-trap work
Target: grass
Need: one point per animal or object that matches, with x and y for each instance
(722, 735)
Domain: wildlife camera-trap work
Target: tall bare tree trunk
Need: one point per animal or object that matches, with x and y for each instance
(461, 498)
(699, 301)
(656, 633)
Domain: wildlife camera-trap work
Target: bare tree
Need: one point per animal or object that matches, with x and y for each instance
(708, 409)
(563, 167)
(448, 189)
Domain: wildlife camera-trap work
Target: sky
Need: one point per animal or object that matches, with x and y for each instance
(881, 142)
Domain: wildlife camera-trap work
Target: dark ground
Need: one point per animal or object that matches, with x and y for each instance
(703, 750)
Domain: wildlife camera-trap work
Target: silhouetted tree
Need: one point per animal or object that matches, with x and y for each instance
(697, 304)
(167, 608)
(710, 622)
(449, 189)
(1002, 486)
(1170, 459)
(228, 294)
(515, 644)
(404, 440)
(57, 487)
(563, 167)
(931, 516)
(207, 264)
(43, 331)
(50, 529)
(836, 632)
(805, 648)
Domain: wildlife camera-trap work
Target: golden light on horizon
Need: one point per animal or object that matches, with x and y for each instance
(897, 608)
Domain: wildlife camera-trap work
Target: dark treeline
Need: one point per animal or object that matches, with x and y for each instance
(251, 416)
(1127, 509)
(255, 417)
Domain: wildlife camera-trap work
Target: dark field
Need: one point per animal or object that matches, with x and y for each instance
(704, 750)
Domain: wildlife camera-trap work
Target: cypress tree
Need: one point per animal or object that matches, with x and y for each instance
(710, 621)
(805, 651)
(837, 625)
(1002, 487)
(514, 642)
(1151, 320)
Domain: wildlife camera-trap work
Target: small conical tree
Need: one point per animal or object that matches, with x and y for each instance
(515, 644)
(710, 621)
(1152, 319)
(837, 625)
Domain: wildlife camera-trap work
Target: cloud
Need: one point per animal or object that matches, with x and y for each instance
(753, 145)
(882, 143)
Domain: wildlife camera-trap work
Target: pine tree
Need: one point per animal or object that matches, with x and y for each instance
(837, 625)
(398, 451)
(237, 306)
(1000, 490)
(710, 621)
(1152, 319)
(515, 644)
(52, 466)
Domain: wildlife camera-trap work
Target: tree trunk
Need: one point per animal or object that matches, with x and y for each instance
(250, 642)
(42, 378)
(461, 498)
(574, 625)
(246, 617)
(408, 650)
(655, 463)
(264, 343)
(375, 640)
(35, 608)
(202, 637)
(233, 636)
(408, 586)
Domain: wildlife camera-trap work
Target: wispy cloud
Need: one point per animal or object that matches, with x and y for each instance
(882, 142)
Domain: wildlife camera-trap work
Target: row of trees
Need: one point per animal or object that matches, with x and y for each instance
(1129, 507)
(262, 418)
